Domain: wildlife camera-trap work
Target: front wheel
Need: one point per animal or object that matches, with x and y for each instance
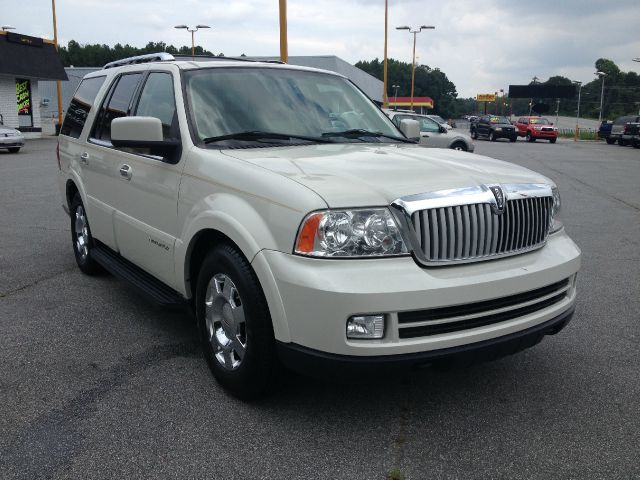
(235, 325)
(492, 137)
(513, 139)
(474, 134)
(81, 238)
(459, 146)
(14, 150)
(611, 141)
(552, 140)
(530, 138)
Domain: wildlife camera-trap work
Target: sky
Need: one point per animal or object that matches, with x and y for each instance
(481, 46)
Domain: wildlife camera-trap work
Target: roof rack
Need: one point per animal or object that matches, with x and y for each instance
(151, 57)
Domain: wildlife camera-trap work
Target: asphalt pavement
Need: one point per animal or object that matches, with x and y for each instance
(97, 383)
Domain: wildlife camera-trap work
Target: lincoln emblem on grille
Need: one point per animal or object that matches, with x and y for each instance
(498, 208)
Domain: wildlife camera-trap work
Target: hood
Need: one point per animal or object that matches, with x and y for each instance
(4, 129)
(360, 175)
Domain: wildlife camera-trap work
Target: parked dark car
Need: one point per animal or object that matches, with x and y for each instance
(493, 127)
(604, 131)
(621, 130)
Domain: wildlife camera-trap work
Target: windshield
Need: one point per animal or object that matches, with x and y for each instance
(539, 121)
(295, 105)
(499, 120)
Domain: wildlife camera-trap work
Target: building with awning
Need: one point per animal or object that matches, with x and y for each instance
(405, 102)
(25, 60)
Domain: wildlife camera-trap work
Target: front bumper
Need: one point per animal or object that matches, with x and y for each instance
(543, 134)
(306, 360)
(311, 299)
(505, 133)
(10, 142)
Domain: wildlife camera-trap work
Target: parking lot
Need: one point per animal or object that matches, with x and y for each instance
(97, 383)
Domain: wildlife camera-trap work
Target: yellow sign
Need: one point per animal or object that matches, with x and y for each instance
(486, 97)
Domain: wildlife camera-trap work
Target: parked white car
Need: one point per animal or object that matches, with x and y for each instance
(301, 225)
(11, 139)
(433, 134)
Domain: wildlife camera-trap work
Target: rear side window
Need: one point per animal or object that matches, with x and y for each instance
(117, 104)
(623, 120)
(158, 100)
(80, 106)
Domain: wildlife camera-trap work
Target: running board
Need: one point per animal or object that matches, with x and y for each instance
(143, 282)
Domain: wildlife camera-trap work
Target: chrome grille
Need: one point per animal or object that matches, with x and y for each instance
(475, 232)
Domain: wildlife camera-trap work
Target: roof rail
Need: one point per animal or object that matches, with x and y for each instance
(151, 57)
(213, 57)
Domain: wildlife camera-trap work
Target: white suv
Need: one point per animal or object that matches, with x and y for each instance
(300, 223)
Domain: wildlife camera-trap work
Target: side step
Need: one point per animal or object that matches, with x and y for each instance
(146, 284)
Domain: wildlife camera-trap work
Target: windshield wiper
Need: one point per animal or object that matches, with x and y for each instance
(359, 133)
(256, 135)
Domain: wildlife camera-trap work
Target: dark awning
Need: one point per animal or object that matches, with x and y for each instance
(24, 56)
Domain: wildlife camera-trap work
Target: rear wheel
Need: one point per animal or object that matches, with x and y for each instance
(611, 141)
(235, 325)
(81, 238)
(14, 149)
(636, 143)
(459, 146)
(622, 143)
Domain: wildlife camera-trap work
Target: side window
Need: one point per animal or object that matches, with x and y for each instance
(116, 105)
(158, 100)
(428, 125)
(80, 106)
(398, 118)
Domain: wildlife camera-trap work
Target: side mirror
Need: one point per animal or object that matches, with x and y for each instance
(145, 133)
(411, 129)
(551, 123)
(443, 129)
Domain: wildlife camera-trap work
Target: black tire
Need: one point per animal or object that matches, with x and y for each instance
(530, 138)
(474, 134)
(459, 146)
(14, 150)
(635, 143)
(611, 141)
(552, 140)
(492, 137)
(259, 368)
(85, 261)
(622, 142)
(513, 139)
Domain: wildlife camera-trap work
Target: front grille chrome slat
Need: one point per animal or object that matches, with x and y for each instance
(472, 232)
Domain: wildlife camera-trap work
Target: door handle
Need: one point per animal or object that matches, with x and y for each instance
(125, 172)
(84, 158)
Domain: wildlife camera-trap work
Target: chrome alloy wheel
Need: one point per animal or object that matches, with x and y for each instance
(81, 231)
(225, 323)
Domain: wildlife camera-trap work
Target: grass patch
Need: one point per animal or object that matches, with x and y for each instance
(583, 135)
(395, 474)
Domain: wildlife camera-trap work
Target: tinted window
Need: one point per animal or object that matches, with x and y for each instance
(117, 105)
(80, 106)
(157, 100)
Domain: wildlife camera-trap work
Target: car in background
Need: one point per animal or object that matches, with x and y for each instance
(432, 133)
(441, 121)
(534, 128)
(621, 130)
(604, 131)
(493, 127)
(11, 139)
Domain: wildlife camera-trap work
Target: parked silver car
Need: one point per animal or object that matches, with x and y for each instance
(432, 134)
(11, 139)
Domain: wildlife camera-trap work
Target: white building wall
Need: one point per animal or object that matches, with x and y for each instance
(8, 102)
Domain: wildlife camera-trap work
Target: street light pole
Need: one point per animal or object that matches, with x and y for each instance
(577, 132)
(193, 41)
(55, 42)
(601, 75)
(395, 96)
(413, 67)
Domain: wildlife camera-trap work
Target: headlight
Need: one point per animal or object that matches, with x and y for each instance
(350, 233)
(498, 129)
(556, 223)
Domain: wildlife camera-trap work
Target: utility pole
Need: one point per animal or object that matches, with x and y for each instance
(284, 48)
(385, 100)
(55, 42)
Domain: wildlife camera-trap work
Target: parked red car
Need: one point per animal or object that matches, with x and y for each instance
(536, 127)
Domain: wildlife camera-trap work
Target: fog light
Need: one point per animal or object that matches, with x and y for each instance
(365, 326)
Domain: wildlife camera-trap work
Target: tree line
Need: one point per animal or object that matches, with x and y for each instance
(97, 55)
